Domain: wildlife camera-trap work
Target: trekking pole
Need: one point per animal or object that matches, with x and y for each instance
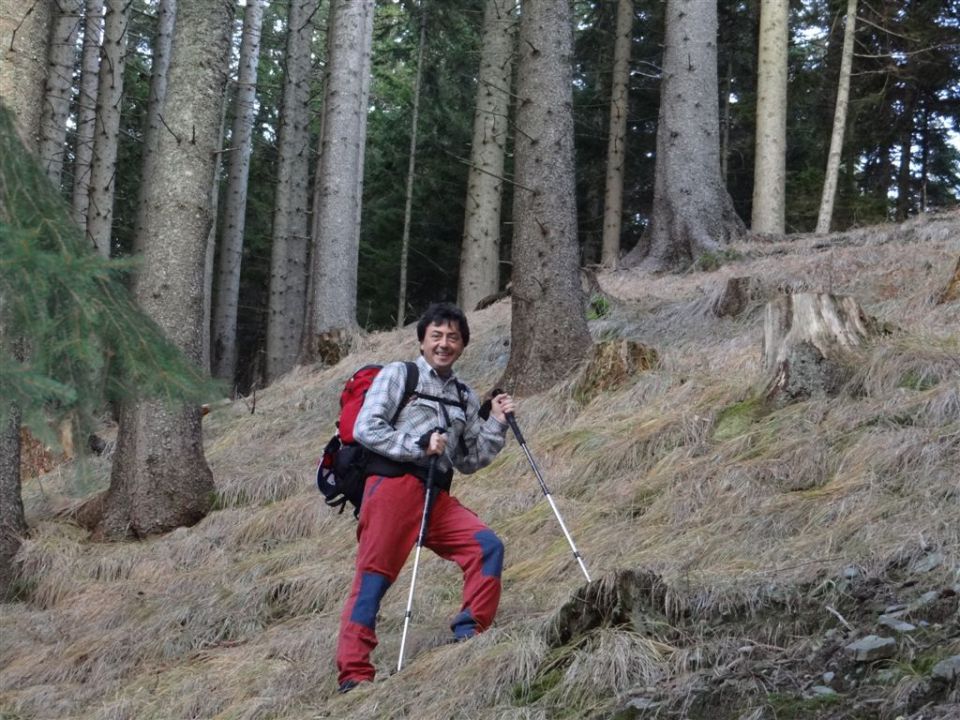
(416, 558)
(512, 422)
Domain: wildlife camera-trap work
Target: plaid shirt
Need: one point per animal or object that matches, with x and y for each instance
(482, 439)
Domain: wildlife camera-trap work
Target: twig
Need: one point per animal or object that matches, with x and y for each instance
(169, 129)
(839, 617)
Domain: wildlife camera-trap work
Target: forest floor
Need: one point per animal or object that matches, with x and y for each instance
(749, 562)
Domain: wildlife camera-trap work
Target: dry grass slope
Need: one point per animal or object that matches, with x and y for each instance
(736, 550)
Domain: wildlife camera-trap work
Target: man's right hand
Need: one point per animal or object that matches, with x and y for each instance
(438, 443)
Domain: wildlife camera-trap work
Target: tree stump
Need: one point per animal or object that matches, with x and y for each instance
(733, 296)
(952, 291)
(808, 344)
(611, 365)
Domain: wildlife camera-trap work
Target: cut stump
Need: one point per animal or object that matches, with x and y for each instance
(809, 343)
(611, 365)
(952, 291)
(733, 296)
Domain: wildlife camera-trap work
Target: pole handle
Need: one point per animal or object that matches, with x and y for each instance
(511, 420)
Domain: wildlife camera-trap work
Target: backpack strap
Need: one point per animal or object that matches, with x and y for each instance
(409, 389)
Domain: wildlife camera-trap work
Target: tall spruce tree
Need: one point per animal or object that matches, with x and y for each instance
(339, 181)
(160, 478)
(56, 106)
(230, 255)
(86, 108)
(23, 62)
(825, 215)
(692, 211)
(548, 329)
(480, 248)
(290, 248)
(770, 173)
(106, 137)
(73, 338)
(617, 136)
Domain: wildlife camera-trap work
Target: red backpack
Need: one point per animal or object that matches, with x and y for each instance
(341, 471)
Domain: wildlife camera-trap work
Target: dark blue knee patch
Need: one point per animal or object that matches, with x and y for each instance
(365, 609)
(492, 549)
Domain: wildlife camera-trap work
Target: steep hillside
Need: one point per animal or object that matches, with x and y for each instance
(750, 559)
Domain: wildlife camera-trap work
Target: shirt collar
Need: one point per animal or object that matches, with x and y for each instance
(426, 367)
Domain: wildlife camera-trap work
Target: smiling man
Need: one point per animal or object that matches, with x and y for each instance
(441, 419)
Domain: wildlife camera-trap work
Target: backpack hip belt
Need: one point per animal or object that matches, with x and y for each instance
(385, 467)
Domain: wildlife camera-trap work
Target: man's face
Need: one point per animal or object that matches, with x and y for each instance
(441, 346)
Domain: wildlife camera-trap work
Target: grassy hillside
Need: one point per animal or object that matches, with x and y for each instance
(737, 549)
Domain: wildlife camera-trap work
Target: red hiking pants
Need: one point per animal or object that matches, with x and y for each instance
(389, 524)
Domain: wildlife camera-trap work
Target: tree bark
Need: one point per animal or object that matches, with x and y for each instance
(807, 344)
(549, 334)
(480, 249)
(770, 171)
(13, 524)
(692, 211)
(339, 182)
(616, 150)
(235, 204)
(904, 176)
(411, 171)
(56, 107)
(160, 479)
(825, 216)
(153, 123)
(103, 166)
(86, 108)
(23, 44)
(288, 262)
(210, 253)
(24, 32)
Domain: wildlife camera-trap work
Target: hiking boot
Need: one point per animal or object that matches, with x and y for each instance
(348, 685)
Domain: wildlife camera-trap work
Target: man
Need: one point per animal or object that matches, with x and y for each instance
(442, 420)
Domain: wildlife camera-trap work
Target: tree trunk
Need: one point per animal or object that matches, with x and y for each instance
(825, 216)
(770, 172)
(160, 478)
(288, 262)
(13, 525)
(103, 168)
(24, 34)
(24, 31)
(924, 156)
(480, 249)
(153, 124)
(235, 206)
(725, 124)
(692, 211)
(411, 169)
(56, 107)
(210, 253)
(616, 150)
(904, 176)
(807, 344)
(549, 334)
(86, 108)
(339, 181)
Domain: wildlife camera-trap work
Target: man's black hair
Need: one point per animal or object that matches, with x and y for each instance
(441, 314)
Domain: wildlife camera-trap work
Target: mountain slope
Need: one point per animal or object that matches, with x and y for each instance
(738, 550)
